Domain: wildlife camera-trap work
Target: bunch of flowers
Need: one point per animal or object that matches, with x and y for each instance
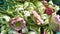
(28, 18)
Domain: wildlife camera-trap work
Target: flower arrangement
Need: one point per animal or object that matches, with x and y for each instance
(30, 18)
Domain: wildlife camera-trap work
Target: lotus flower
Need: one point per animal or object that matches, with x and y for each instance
(48, 10)
(57, 19)
(37, 17)
(17, 23)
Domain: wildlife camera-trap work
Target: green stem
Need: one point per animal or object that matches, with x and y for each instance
(50, 21)
(20, 14)
(33, 19)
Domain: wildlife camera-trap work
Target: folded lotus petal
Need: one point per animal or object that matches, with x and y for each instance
(37, 17)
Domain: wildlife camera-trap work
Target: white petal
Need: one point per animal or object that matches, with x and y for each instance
(32, 32)
(26, 13)
(25, 30)
(51, 2)
(7, 18)
(57, 8)
(19, 9)
(44, 16)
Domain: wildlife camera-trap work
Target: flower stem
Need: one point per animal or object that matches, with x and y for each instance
(42, 30)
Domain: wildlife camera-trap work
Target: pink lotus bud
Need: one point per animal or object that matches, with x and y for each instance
(37, 17)
(49, 11)
(57, 19)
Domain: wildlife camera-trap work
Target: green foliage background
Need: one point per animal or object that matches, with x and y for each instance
(9, 5)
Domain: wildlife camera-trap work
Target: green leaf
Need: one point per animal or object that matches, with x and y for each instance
(4, 32)
(3, 28)
(32, 32)
(25, 30)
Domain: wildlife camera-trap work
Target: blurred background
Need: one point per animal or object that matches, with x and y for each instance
(4, 3)
(10, 3)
